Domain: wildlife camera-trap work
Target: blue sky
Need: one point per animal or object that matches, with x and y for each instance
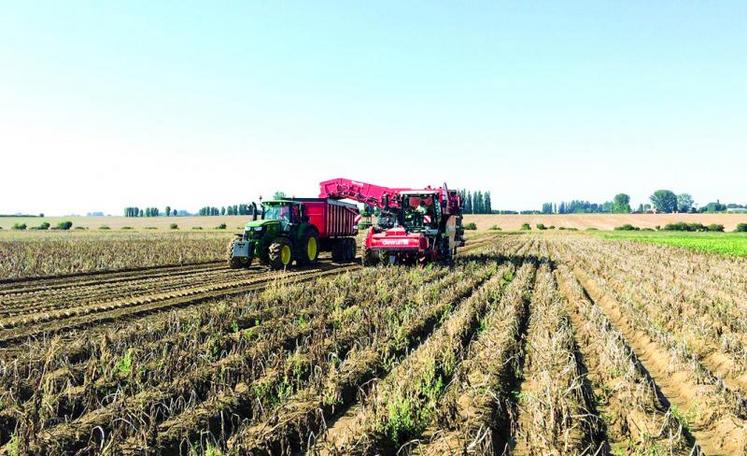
(106, 105)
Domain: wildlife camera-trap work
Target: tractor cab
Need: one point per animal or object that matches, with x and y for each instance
(284, 211)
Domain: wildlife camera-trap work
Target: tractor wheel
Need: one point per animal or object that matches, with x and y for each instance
(309, 249)
(235, 262)
(280, 253)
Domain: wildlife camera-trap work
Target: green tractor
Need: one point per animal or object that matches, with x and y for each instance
(295, 229)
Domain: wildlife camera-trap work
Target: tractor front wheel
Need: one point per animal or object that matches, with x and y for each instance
(280, 253)
(236, 262)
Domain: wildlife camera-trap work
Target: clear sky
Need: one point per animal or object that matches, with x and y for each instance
(109, 104)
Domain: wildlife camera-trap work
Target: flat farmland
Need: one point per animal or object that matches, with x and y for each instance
(528, 344)
(602, 221)
(483, 222)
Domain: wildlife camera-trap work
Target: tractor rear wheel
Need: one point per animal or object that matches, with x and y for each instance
(280, 253)
(309, 249)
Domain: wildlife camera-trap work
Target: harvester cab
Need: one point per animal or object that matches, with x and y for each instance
(420, 212)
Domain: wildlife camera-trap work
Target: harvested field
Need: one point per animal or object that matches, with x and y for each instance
(35, 254)
(601, 221)
(529, 344)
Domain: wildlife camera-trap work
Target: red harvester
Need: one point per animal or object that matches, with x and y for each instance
(414, 225)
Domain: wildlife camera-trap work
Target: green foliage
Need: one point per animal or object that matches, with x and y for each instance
(222, 226)
(12, 446)
(173, 226)
(541, 226)
(470, 226)
(693, 227)
(104, 227)
(729, 244)
(19, 226)
(495, 228)
(627, 227)
(126, 228)
(741, 228)
(124, 366)
(401, 418)
(196, 227)
(664, 201)
(526, 227)
(65, 225)
(278, 195)
(43, 226)
(621, 203)
(685, 202)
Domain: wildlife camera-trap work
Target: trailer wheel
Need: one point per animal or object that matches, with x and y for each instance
(338, 252)
(351, 249)
(309, 249)
(280, 253)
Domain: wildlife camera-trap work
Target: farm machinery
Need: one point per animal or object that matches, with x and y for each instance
(296, 229)
(414, 225)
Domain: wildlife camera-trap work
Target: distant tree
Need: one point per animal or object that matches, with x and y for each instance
(684, 202)
(664, 201)
(468, 203)
(278, 195)
(41, 215)
(223, 210)
(621, 204)
(141, 213)
(168, 211)
(487, 202)
(547, 208)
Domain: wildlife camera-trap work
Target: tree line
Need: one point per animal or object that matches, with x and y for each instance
(662, 201)
(236, 209)
(477, 202)
(146, 212)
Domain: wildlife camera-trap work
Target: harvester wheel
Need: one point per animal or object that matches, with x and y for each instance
(370, 257)
(280, 253)
(309, 249)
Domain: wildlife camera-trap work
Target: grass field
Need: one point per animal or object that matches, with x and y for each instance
(732, 244)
